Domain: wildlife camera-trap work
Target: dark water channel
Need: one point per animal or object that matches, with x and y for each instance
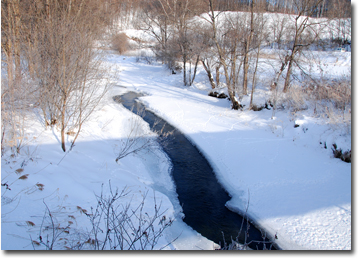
(201, 196)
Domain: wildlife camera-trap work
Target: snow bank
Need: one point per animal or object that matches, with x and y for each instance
(296, 189)
(67, 183)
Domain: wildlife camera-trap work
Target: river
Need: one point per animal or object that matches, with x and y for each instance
(201, 196)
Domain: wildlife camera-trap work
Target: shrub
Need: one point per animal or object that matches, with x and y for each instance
(120, 43)
(331, 95)
(115, 225)
(344, 156)
(139, 140)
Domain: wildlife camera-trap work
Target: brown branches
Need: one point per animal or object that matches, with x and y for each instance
(138, 140)
(114, 225)
(50, 44)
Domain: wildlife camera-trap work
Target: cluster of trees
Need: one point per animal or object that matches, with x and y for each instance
(227, 42)
(48, 62)
(326, 8)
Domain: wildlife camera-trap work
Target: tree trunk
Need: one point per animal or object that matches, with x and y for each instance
(184, 69)
(10, 65)
(209, 74)
(246, 53)
(237, 74)
(287, 78)
(290, 60)
(235, 104)
(63, 138)
(245, 71)
(254, 77)
(15, 5)
(276, 79)
(9, 51)
(195, 71)
(233, 70)
(217, 74)
(63, 126)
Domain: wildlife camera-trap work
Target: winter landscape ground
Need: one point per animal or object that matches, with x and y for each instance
(281, 165)
(297, 189)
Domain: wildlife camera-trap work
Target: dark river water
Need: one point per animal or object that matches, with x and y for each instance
(202, 198)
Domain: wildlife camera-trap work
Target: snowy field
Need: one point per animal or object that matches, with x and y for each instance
(297, 190)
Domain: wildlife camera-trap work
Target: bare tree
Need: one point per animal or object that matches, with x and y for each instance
(203, 48)
(66, 65)
(168, 21)
(262, 35)
(340, 13)
(156, 22)
(138, 140)
(298, 33)
(16, 93)
(208, 60)
(302, 24)
(234, 31)
(221, 54)
(279, 29)
(247, 43)
(47, 48)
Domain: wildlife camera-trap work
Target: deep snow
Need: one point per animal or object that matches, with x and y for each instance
(296, 189)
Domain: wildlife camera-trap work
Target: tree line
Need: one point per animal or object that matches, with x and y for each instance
(50, 61)
(227, 42)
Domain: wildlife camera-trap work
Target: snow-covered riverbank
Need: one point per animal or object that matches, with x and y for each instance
(296, 189)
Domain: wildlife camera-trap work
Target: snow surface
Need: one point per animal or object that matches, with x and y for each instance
(73, 179)
(295, 188)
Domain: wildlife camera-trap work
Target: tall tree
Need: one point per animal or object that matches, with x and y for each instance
(302, 22)
(169, 22)
(260, 38)
(247, 43)
(222, 54)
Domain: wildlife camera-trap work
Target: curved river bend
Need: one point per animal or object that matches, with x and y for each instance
(201, 196)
